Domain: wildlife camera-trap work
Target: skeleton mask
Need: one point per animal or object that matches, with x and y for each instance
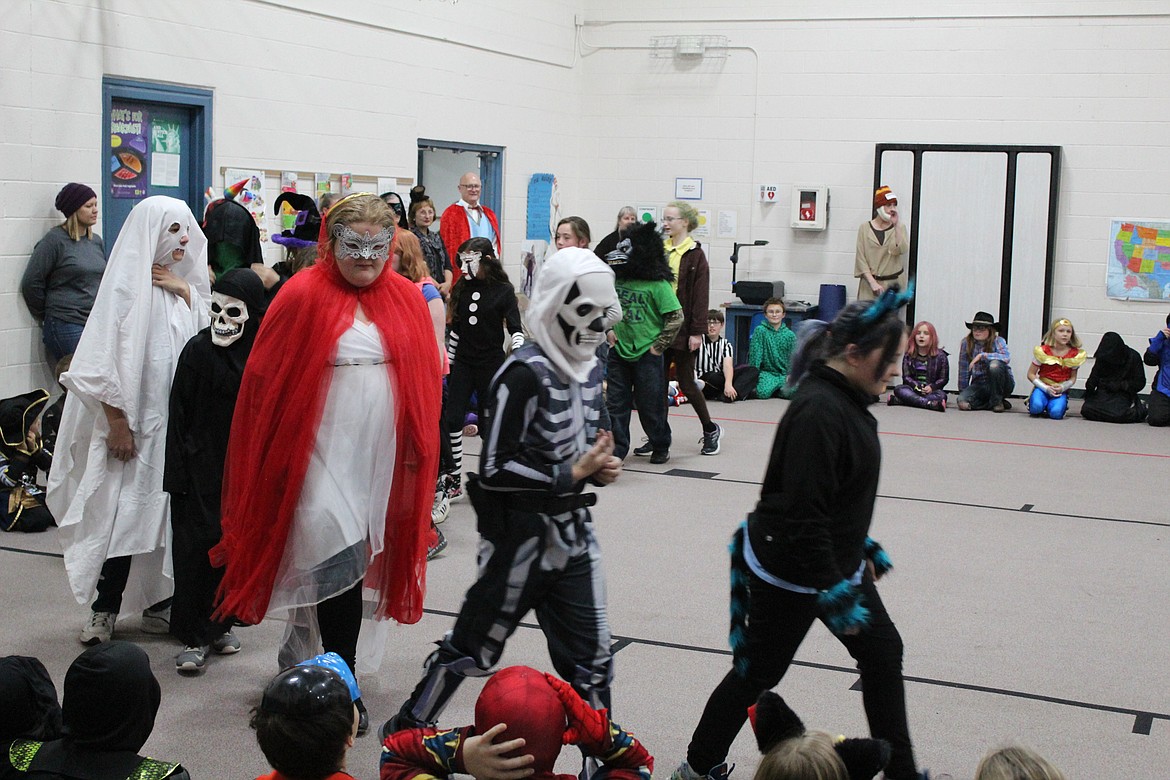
(364, 247)
(228, 316)
(469, 263)
(589, 309)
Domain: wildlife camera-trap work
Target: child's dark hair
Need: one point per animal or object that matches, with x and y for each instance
(820, 341)
(775, 302)
(304, 723)
(967, 345)
(494, 271)
(714, 315)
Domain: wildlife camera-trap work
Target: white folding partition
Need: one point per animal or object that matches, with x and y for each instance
(982, 226)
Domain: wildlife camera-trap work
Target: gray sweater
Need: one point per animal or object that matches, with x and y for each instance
(63, 275)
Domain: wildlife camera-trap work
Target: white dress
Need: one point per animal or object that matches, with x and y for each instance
(340, 521)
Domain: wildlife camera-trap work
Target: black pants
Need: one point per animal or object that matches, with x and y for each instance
(778, 621)
(684, 372)
(1159, 409)
(522, 570)
(463, 380)
(193, 534)
(743, 380)
(340, 620)
(112, 584)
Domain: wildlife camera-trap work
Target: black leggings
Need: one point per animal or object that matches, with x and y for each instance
(340, 619)
(684, 372)
(778, 621)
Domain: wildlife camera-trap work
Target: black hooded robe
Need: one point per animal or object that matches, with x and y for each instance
(1113, 384)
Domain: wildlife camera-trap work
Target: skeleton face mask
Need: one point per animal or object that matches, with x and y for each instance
(363, 247)
(228, 316)
(469, 262)
(589, 308)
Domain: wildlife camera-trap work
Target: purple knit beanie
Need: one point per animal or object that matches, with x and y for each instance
(72, 197)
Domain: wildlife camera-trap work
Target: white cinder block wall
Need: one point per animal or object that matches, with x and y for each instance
(311, 85)
(804, 101)
(303, 85)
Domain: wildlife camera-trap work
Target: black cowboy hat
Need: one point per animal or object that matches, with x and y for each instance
(983, 318)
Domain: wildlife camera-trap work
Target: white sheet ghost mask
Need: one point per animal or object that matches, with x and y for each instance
(170, 240)
(584, 316)
(228, 316)
(361, 247)
(469, 263)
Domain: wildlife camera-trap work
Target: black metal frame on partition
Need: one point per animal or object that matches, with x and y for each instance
(1009, 212)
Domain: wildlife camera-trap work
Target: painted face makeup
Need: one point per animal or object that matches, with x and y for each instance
(349, 244)
(469, 262)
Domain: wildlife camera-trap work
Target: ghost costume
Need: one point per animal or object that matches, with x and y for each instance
(537, 549)
(126, 359)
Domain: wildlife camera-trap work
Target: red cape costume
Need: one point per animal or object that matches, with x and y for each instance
(454, 230)
(281, 401)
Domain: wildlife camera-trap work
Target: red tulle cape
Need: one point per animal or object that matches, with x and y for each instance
(280, 405)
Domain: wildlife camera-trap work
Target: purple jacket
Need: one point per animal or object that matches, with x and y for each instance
(937, 369)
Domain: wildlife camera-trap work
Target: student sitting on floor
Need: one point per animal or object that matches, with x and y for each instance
(925, 372)
(1116, 379)
(1016, 763)
(536, 713)
(715, 370)
(307, 721)
(1158, 354)
(770, 350)
(985, 374)
(1054, 370)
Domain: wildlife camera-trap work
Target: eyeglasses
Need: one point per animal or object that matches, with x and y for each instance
(672, 219)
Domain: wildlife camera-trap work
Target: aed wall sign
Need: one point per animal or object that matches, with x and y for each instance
(769, 193)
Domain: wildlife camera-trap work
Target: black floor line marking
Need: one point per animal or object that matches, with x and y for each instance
(689, 474)
(1029, 507)
(1142, 724)
(1143, 719)
(32, 552)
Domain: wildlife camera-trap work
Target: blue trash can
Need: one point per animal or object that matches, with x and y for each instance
(831, 301)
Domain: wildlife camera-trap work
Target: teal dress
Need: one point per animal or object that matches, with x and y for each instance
(771, 351)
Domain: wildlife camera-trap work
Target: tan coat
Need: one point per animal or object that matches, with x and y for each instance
(881, 260)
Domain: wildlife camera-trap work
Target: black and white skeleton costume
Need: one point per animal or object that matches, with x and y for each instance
(537, 548)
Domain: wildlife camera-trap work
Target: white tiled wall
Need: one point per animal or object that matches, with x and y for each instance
(314, 85)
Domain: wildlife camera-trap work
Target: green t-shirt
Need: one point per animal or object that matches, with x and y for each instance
(644, 305)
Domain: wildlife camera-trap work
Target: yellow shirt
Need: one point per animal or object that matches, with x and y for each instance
(674, 256)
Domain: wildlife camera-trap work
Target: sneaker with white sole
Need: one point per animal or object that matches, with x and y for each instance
(226, 643)
(192, 660)
(710, 441)
(157, 621)
(441, 507)
(454, 488)
(644, 450)
(440, 545)
(99, 628)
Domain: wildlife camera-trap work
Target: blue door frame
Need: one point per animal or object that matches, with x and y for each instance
(190, 104)
(491, 169)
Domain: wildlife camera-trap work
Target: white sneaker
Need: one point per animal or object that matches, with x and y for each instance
(157, 621)
(441, 507)
(99, 628)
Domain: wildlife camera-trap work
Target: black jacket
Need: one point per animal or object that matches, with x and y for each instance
(816, 504)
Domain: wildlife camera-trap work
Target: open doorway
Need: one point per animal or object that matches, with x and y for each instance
(442, 163)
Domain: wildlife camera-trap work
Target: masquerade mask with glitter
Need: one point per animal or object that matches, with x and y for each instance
(469, 262)
(361, 247)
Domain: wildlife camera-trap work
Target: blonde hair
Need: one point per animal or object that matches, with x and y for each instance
(1050, 334)
(687, 212)
(1016, 762)
(811, 756)
(359, 207)
(75, 229)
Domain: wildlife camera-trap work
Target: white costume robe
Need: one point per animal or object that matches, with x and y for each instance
(126, 359)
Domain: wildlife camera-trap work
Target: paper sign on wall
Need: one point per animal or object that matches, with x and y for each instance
(647, 213)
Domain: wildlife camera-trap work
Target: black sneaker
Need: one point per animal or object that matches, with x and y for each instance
(363, 718)
(711, 441)
(644, 450)
(659, 456)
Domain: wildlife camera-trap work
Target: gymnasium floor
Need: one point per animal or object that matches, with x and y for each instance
(1030, 587)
